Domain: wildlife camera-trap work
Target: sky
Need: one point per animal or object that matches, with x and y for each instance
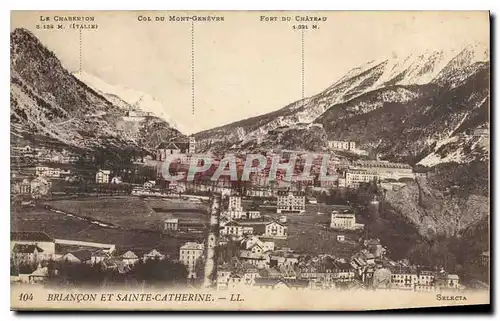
(244, 67)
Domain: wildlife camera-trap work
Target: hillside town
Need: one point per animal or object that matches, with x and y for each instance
(34, 169)
(263, 228)
(261, 160)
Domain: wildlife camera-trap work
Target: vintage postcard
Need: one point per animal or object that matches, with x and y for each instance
(249, 160)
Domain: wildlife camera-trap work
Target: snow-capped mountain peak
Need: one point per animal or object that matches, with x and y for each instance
(396, 88)
(127, 98)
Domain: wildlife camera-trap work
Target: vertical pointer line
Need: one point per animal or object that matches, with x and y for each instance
(192, 68)
(303, 65)
(80, 31)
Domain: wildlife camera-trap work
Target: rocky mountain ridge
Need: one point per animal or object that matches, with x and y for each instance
(402, 107)
(128, 99)
(48, 103)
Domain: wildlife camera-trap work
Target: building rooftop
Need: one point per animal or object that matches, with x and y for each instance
(343, 214)
(343, 265)
(254, 221)
(296, 283)
(40, 271)
(153, 253)
(246, 254)
(381, 164)
(192, 246)
(129, 255)
(82, 255)
(26, 248)
(294, 193)
(361, 171)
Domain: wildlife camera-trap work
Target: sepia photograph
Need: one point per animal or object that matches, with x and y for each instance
(249, 160)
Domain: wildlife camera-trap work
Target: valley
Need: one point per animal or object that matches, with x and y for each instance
(410, 134)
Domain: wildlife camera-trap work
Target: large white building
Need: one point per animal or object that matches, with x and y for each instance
(235, 229)
(276, 230)
(235, 203)
(253, 215)
(367, 171)
(341, 145)
(189, 253)
(234, 215)
(234, 208)
(291, 201)
(385, 169)
(344, 221)
(102, 176)
(354, 177)
(171, 224)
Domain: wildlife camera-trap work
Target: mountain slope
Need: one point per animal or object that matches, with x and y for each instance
(127, 98)
(49, 104)
(408, 121)
(404, 107)
(422, 109)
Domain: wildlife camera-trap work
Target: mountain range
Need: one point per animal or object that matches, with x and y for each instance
(423, 109)
(414, 108)
(52, 107)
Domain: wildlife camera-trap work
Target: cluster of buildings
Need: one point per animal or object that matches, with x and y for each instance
(35, 181)
(345, 173)
(31, 252)
(149, 188)
(173, 225)
(51, 172)
(261, 265)
(262, 227)
(378, 271)
(342, 172)
(44, 154)
(258, 263)
(260, 184)
(36, 187)
(360, 172)
(237, 223)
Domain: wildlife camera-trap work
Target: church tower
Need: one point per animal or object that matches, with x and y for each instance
(192, 145)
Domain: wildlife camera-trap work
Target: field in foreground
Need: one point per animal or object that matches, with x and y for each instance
(131, 211)
(65, 227)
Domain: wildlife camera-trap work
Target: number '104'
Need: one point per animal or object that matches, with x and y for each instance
(26, 297)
